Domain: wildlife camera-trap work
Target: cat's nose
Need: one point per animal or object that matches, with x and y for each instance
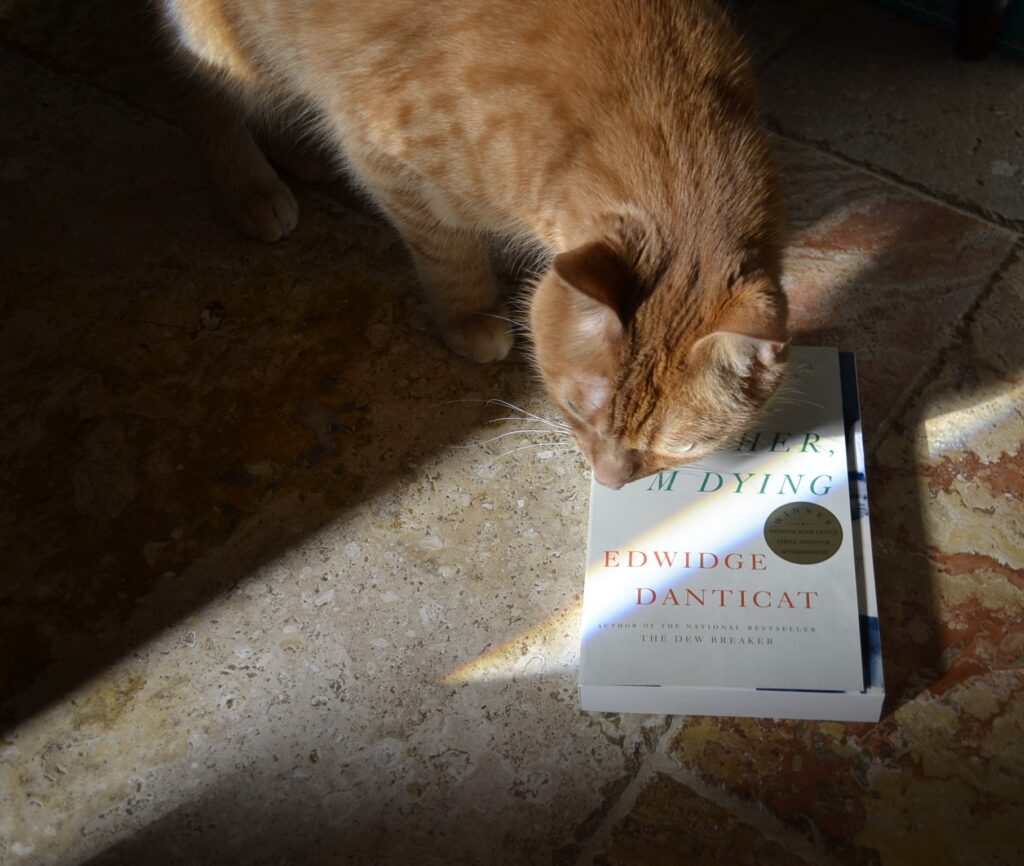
(612, 479)
(613, 467)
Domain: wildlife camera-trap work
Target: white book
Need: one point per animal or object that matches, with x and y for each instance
(742, 584)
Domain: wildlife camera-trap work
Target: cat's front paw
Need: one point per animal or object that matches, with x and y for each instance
(265, 211)
(481, 337)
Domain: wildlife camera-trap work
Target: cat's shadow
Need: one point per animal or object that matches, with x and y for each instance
(200, 403)
(223, 400)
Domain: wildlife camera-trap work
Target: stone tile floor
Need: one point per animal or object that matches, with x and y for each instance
(269, 596)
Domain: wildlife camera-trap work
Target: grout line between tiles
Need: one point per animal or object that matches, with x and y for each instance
(959, 334)
(758, 816)
(627, 799)
(948, 200)
(658, 762)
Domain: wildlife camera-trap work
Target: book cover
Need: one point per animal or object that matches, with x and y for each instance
(742, 584)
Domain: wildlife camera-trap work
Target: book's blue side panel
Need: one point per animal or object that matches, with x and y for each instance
(871, 641)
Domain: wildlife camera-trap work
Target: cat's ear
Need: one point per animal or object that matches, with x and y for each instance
(598, 272)
(751, 331)
(757, 309)
(741, 352)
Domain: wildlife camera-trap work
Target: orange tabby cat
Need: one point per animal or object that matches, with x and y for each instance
(621, 136)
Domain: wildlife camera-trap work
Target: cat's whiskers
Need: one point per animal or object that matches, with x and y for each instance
(524, 414)
(535, 417)
(790, 395)
(689, 468)
(792, 401)
(515, 326)
(520, 448)
(507, 433)
(555, 426)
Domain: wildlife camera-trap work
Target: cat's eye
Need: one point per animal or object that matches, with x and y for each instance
(572, 407)
(682, 447)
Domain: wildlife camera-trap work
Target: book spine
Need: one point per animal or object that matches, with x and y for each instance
(870, 635)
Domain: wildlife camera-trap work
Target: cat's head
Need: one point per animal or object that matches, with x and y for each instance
(651, 377)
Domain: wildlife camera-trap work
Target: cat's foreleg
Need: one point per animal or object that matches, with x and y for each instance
(256, 199)
(455, 269)
(292, 135)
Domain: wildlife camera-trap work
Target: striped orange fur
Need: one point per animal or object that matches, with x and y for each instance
(619, 137)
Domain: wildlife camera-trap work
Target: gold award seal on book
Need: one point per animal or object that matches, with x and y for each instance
(803, 533)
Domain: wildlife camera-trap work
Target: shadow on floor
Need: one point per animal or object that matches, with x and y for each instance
(184, 404)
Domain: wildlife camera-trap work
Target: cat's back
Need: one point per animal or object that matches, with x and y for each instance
(581, 48)
(509, 106)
